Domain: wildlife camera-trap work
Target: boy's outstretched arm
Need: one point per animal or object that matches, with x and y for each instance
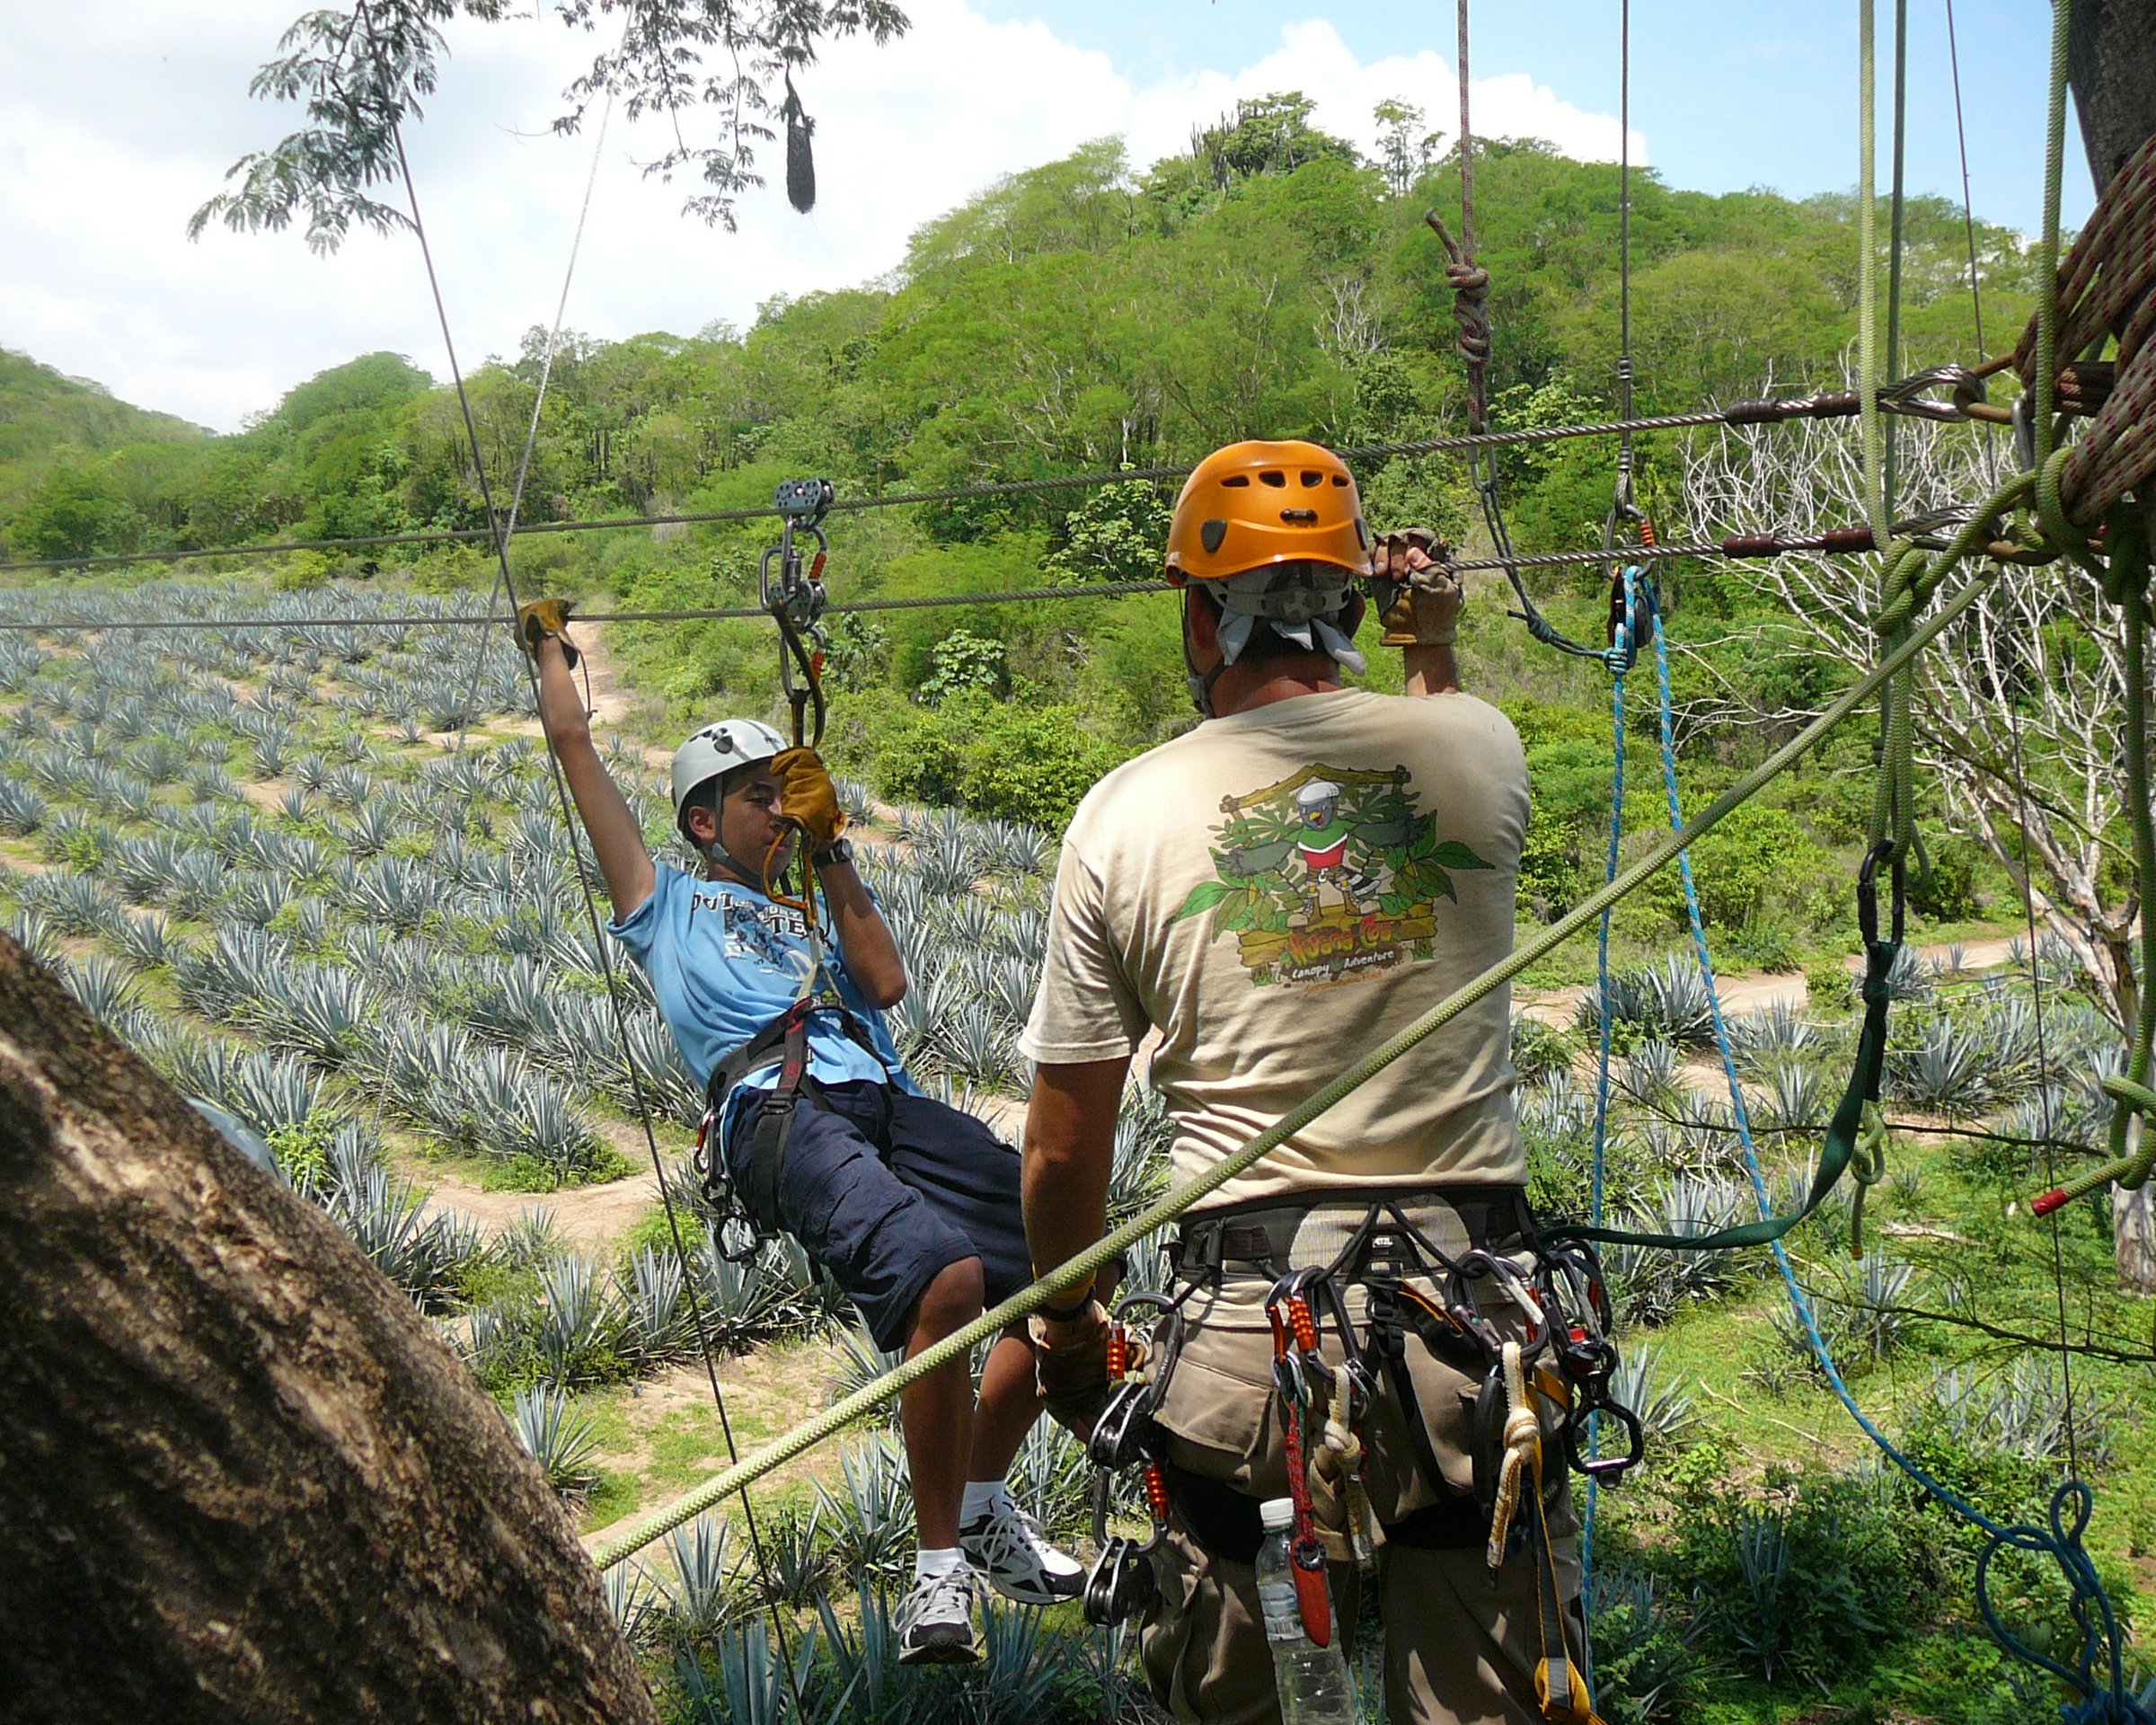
(611, 824)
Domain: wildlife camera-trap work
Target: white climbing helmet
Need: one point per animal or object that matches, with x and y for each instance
(715, 751)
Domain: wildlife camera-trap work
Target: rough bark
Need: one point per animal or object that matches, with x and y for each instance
(2111, 66)
(243, 1481)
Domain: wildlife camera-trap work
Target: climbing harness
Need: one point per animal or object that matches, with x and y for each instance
(1552, 1352)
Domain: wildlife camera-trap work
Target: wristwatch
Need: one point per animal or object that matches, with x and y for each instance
(839, 850)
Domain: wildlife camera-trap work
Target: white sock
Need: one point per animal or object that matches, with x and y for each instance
(937, 1562)
(983, 1498)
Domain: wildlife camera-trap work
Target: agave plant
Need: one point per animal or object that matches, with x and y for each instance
(1875, 1316)
(1665, 1413)
(860, 1362)
(2024, 1410)
(1947, 1072)
(1795, 1094)
(105, 991)
(698, 1578)
(871, 1516)
(196, 886)
(422, 1252)
(1650, 1075)
(978, 1045)
(144, 941)
(563, 1443)
(21, 809)
(73, 904)
(657, 1325)
(119, 794)
(579, 1320)
(317, 1010)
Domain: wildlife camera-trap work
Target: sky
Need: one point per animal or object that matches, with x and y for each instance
(118, 118)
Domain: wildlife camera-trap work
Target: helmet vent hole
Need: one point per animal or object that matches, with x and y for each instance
(1300, 517)
(1212, 534)
(1241, 481)
(1313, 479)
(1339, 479)
(1273, 476)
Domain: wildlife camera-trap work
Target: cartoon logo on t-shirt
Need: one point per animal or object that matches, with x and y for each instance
(1329, 873)
(767, 933)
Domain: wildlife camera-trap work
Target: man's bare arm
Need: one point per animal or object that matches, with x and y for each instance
(1070, 1150)
(617, 839)
(864, 939)
(1432, 670)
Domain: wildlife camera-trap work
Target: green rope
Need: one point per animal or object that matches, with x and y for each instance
(2047, 255)
(1890, 431)
(641, 1532)
(2126, 584)
(1891, 815)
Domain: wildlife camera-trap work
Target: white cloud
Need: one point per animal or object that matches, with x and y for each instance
(113, 130)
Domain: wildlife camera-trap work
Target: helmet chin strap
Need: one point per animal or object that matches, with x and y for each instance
(719, 857)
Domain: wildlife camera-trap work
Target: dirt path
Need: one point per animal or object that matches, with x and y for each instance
(1748, 991)
(587, 1217)
(610, 700)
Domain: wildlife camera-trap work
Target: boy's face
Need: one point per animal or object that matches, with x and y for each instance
(748, 822)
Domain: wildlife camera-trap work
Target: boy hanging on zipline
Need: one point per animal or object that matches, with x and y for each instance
(913, 1206)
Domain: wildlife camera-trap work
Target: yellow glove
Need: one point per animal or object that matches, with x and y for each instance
(544, 617)
(1419, 598)
(807, 797)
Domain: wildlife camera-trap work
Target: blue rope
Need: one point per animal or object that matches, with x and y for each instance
(2101, 1702)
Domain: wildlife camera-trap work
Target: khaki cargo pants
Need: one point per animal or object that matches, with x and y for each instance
(1459, 1645)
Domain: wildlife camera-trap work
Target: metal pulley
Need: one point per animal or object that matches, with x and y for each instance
(792, 589)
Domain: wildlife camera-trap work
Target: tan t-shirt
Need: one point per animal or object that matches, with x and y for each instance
(1279, 893)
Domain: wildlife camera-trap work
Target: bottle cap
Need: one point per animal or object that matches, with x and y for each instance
(1277, 1513)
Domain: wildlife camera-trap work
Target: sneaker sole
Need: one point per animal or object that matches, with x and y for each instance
(1047, 1594)
(942, 1653)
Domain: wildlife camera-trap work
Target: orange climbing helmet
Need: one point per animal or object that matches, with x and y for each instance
(1258, 503)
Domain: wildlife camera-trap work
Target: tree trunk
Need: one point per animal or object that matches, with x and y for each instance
(2134, 1224)
(2111, 66)
(243, 1482)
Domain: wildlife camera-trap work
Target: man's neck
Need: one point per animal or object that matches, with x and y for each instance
(1244, 688)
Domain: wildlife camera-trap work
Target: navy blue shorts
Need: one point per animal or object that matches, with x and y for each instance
(887, 1189)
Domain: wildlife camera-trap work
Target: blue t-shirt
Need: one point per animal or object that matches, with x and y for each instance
(724, 961)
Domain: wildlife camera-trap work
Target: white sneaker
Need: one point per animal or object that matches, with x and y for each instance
(935, 1619)
(1008, 1547)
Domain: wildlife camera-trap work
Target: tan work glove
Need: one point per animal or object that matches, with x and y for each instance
(807, 797)
(544, 617)
(1419, 597)
(1070, 1362)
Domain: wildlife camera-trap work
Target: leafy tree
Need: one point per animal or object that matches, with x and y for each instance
(360, 74)
(74, 514)
(1405, 151)
(1115, 534)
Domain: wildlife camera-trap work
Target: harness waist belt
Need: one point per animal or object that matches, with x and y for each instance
(1265, 1232)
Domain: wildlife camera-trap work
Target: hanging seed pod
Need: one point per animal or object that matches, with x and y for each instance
(800, 159)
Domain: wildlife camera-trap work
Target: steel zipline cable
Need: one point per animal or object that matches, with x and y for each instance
(1839, 406)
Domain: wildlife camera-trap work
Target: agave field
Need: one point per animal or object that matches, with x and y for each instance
(316, 872)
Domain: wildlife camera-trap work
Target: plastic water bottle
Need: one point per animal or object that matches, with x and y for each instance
(1312, 1681)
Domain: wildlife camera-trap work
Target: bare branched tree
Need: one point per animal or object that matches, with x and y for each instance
(2019, 708)
(361, 73)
